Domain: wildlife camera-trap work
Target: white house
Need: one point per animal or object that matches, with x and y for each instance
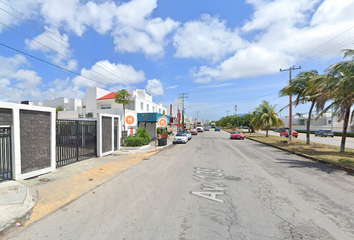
(327, 121)
(98, 100)
(66, 104)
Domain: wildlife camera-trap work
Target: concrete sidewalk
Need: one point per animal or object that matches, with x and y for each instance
(24, 202)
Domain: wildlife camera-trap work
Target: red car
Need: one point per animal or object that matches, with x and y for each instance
(194, 132)
(237, 135)
(285, 133)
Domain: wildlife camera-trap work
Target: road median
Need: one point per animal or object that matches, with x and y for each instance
(315, 151)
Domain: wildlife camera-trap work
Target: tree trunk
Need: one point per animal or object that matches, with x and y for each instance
(345, 127)
(267, 132)
(309, 123)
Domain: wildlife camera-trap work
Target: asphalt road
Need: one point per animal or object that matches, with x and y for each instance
(212, 188)
(335, 141)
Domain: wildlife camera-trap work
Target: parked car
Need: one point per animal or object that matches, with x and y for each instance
(194, 132)
(189, 134)
(217, 129)
(200, 129)
(324, 133)
(285, 133)
(180, 138)
(237, 135)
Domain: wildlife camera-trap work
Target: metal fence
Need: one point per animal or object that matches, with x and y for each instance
(75, 141)
(5, 154)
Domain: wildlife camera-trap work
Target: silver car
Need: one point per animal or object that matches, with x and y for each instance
(180, 138)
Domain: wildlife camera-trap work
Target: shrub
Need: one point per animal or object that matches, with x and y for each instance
(142, 133)
(134, 141)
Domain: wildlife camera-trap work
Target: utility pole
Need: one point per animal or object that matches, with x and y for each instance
(197, 115)
(235, 110)
(183, 96)
(227, 113)
(290, 101)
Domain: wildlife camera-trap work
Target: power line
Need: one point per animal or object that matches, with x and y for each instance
(39, 59)
(72, 50)
(56, 52)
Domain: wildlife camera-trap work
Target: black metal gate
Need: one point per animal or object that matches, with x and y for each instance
(5, 154)
(76, 140)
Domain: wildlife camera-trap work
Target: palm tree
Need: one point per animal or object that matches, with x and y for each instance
(341, 81)
(123, 97)
(306, 88)
(265, 116)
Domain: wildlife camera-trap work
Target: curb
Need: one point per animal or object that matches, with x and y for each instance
(333, 165)
(29, 202)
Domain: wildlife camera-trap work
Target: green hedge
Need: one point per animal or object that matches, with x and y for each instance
(133, 141)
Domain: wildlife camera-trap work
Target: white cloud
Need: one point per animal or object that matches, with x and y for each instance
(135, 12)
(55, 46)
(154, 87)
(28, 8)
(172, 87)
(62, 88)
(107, 73)
(285, 39)
(102, 15)
(284, 13)
(207, 38)
(67, 14)
(26, 79)
(136, 31)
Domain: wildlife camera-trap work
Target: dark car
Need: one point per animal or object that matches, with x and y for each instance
(324, 133)
(217, 129)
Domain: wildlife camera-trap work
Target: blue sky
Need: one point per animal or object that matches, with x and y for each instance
(222, 53)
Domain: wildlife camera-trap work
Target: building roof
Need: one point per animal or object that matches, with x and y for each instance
(111, 95)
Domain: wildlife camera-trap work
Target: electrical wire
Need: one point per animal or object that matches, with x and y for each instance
(52, 64)
(72, 50)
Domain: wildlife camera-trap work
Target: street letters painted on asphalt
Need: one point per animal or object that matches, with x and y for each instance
(211, 190)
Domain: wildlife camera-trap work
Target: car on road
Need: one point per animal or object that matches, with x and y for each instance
(324, 133)
(237, 135)
(206, 129)
(189, 134)
(180, 138)
(194, 132)
(285, 133)
(200, 129)
(217, 129)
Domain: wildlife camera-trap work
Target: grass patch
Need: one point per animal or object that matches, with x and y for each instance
(322, 152)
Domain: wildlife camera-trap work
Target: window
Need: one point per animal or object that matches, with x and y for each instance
(147, 107)
(153, 108)
(159, 110)
(106, 106)
(142, 106)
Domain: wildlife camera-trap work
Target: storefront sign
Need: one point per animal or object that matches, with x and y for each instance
(130, 120)
(162, 121)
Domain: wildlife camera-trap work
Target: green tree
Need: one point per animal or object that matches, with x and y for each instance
(123, 97)
(58, 109)
(341, 88)
(306, 89)
(266, 117)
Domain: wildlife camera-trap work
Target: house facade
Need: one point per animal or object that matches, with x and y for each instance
(98, 100)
